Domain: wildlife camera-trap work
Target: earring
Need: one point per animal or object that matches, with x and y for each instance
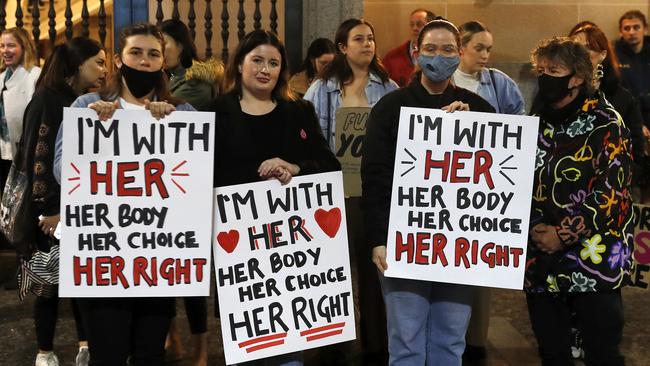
(599, 73)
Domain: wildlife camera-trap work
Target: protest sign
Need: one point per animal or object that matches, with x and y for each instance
(461, 197)
(282, 266)
(350, 132)
(641, 245)
(136, 204)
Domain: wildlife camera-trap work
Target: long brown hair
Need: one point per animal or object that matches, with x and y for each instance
(29, 58)
(64, 62)
(597, 41)
(250, 41)
(114, 88)
(340, 68)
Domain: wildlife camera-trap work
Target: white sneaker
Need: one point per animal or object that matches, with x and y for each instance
(46, 359)
(83, 357)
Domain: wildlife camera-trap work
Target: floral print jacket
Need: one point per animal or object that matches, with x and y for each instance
(582, 186)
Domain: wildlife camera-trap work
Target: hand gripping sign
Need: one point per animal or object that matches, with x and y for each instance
(461, 197)
(135, 204)
(282, 266)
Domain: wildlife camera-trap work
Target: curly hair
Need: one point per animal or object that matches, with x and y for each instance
(569, 53)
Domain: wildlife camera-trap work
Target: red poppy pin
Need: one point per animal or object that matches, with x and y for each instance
(303, 134)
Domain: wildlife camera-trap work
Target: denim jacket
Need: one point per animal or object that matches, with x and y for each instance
(504, 96)
(323, 93)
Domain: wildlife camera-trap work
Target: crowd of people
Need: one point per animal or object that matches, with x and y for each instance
(580, 239)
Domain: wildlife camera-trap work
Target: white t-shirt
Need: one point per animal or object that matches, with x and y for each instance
(126, 105)
(466, 81)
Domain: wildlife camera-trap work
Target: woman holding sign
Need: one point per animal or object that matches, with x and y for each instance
(426, 320)
(356, 78)
(263, 132)
(119, 328)
(72, 69)
(580, 246)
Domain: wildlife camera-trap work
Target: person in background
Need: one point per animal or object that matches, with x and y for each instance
(356, 78)
(426, 320)
(133, 328)
(71, 69)
(18, 74)
(473, 74)
(319, 55)
(262, 131)
(581, 232)
(197, 83)
(633, 53)
(398, 62)
(504, 95)
(19, 66)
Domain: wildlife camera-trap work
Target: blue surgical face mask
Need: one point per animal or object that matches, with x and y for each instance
(438, 68)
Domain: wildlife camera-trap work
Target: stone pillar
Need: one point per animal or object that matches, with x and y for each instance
(321, 18)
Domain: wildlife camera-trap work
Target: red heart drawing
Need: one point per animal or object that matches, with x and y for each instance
(228, 240)
(329, 221)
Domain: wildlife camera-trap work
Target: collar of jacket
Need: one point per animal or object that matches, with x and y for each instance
(332, 85)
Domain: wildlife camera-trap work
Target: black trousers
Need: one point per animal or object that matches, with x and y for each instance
(46, 312)
(122, 327)
(598, 315)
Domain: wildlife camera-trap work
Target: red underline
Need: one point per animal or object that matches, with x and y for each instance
(320, 329)
(262, 339)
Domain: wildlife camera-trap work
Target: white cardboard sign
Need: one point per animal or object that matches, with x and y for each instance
(282, 266)
(461, 197)
(136, 207)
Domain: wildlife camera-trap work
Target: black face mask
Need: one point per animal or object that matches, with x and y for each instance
(140, 82)
(553, 88)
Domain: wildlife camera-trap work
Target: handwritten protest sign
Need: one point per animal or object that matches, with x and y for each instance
(350, 132)
(282, 266)
(461, 197)
(136, 204)
(641, 245)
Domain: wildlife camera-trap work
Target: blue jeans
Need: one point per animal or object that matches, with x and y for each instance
(426, 321)
(289, 359)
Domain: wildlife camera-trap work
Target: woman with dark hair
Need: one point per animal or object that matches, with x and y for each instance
(71, 69)
(319, 55)
(581, 231)
(426, 321)
(190, 79)
(197, 83)
(355, 78)
(135, 328)
(262, 131)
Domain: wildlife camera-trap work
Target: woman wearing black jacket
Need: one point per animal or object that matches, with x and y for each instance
(70, 71)
(426, 321)
(262, 131)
